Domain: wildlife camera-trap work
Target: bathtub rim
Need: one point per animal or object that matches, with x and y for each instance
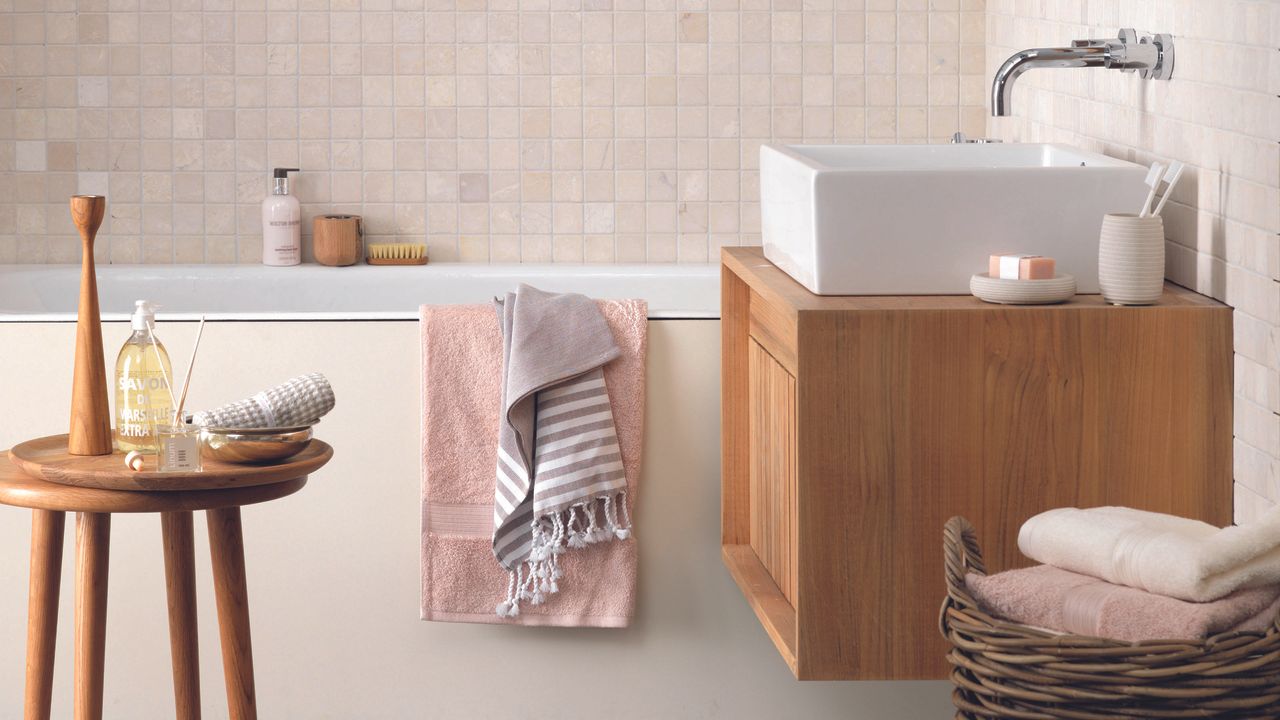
(674, 291)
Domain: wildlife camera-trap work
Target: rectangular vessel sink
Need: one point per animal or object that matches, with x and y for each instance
(921, 219)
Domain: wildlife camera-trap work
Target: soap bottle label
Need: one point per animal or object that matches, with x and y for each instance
(138, 414)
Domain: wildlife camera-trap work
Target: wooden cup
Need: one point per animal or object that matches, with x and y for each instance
(90, 432)
(337, 239)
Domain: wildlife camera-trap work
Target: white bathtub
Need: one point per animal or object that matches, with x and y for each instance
(37, 293)
(333, 571)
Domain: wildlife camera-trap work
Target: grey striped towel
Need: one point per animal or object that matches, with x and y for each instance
(560, 481)
(300, 401)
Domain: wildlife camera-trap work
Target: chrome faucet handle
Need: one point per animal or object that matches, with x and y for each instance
(1163, 68)
(1150, 55)
(1127, 36)
(961, 139)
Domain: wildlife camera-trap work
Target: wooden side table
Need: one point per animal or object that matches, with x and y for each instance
(49, 502)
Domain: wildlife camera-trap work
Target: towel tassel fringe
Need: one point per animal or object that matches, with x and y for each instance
(534, 580)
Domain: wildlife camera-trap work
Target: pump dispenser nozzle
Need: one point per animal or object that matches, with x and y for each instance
(144, 315)
(281, 176)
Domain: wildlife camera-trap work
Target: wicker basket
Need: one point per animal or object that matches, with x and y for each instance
(1005, 670)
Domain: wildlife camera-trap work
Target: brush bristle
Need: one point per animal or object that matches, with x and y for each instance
(397, 251)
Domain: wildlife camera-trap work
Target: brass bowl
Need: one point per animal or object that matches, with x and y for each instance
(254, 445)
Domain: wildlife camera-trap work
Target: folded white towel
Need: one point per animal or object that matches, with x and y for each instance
(1173, 556)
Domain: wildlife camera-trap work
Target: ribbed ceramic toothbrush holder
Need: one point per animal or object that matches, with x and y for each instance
(1131, 259)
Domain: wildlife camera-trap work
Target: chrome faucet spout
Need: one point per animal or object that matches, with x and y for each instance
(1152, 55)
(1024, 60)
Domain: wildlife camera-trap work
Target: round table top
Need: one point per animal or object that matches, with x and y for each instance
(47, 458)
(21, 490)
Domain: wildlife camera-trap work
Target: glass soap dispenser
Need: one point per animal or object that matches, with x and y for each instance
(144, 399)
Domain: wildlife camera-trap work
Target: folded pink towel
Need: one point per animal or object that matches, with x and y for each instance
(1056, 599)
(461, 392)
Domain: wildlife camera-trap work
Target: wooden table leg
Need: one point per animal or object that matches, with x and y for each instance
(226, 545)
(184, 640)
(93, 541)
(42, 610)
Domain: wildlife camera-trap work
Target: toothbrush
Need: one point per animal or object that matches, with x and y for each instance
(1153, 181)
(186, 382)
(1171, 178)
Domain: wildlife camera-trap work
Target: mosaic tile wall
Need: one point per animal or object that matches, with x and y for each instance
(499, 130)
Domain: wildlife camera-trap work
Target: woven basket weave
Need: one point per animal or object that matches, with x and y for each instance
(1005, 670)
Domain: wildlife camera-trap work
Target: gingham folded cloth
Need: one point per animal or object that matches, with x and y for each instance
(300, 401)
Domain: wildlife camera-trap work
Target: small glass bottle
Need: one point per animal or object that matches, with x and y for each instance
(179, 448)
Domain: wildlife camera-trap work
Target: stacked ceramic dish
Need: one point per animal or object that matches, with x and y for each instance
(1131, 259)
(1022, 292)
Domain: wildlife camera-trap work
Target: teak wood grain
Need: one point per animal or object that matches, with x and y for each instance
(773, 468)
(180, 586)
(22, 490)
(48, 458)
(735, 458)
(336, 240)
(93, 507)
(909, 410)
(776, 614)
(93, 539)
(226, 546)
(47, 529)
(90, 432)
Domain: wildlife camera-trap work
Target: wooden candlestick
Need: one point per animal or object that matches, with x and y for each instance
(90, 432)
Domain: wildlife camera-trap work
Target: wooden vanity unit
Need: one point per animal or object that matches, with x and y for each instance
(854, 427)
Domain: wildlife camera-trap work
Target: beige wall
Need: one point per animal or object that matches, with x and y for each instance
(1220, 114)
(333, 571)
(501, 130)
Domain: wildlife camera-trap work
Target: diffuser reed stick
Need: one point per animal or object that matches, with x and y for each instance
(186, 381)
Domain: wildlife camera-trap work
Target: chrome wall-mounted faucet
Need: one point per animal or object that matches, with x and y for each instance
(961, 139)
(1151, 56)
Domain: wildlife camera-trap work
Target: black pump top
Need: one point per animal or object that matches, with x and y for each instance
(284, 172)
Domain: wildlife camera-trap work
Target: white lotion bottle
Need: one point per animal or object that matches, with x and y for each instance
(281, 223)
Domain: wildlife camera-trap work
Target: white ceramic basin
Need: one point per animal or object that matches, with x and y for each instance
(921, 219)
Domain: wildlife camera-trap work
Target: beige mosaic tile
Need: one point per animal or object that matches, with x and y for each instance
(603, 130)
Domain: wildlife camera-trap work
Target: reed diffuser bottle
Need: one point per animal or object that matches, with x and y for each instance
(144, 398)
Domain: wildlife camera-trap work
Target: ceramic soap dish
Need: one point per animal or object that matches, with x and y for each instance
(1022, 292)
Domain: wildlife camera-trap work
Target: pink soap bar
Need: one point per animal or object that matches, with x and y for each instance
(1020, 267)
(993, 267)
(1036, 268)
